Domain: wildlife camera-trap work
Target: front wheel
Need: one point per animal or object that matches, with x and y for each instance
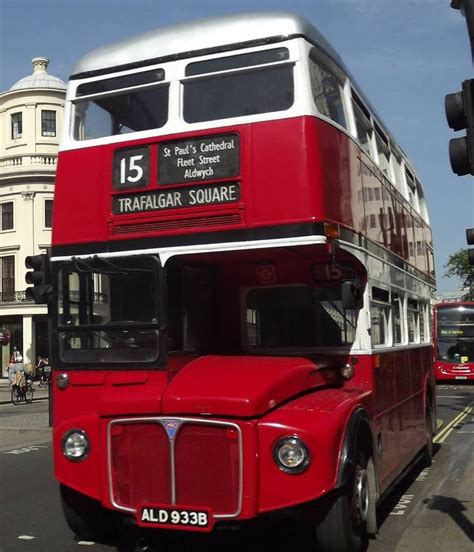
(16, 395)
(344, 527)
(87, 519)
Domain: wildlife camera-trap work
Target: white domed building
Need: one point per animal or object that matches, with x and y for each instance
(31, 113)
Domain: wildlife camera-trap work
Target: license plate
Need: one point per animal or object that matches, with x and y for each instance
(460, 377)
(183, 518)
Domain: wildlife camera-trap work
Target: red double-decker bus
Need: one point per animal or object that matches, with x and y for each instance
(241, 271)
(453, 338)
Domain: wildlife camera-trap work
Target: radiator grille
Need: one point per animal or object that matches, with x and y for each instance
(176, 224)
(199, 463)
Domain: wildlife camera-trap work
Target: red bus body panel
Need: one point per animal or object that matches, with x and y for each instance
(283, 181)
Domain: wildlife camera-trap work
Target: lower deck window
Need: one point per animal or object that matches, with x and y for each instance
(297, 317)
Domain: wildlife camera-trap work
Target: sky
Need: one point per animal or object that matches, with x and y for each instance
(406, 55)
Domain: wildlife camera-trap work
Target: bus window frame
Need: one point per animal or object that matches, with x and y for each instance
(249, 349)
(316, 56)
(61, 273)
(379, 302)
(233, 72)
(174, 75)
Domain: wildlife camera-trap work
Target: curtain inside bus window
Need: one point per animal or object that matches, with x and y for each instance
(121, 113)
(247, 92)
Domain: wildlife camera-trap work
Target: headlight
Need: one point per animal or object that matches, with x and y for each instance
(291, 455)
(75, 445)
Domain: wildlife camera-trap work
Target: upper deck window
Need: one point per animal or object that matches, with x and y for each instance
(363, 124)
(383, 150)
(119, 83)
(245, 91)
(121, 105)
(237, 62)
(327, 92)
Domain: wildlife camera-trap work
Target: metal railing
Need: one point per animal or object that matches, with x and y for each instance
(14, 297)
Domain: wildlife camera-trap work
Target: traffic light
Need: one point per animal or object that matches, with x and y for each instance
(470, 241)
(40, 277)
(459, 109)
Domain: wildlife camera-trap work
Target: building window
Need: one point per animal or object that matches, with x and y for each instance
(48, 123)
(8, 278)
(17, 125)
(48, 213)
(7, 215)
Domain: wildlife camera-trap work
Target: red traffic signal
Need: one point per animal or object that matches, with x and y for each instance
(459, 109)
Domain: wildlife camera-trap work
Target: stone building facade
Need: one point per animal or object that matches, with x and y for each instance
(31, 114)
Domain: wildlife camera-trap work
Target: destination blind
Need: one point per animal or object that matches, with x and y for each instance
(199, 159)
(174, 199)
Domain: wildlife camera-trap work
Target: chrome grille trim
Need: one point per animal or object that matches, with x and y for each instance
(180, 423)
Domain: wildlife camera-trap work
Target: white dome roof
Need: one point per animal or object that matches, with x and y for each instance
(40, 77)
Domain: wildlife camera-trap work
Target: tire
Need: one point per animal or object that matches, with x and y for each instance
(16, 396)
(427, 455)
(29, 394)
(88, 520)
(344, 525)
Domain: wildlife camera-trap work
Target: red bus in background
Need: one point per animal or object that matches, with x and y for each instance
(453, 339)
(241, 276)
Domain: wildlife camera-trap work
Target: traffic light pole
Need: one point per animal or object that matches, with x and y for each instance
(467, 9)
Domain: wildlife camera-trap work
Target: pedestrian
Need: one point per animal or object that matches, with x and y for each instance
(11, 369)
(40, 370)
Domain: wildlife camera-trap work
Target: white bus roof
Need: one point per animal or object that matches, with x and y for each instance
(202, 35)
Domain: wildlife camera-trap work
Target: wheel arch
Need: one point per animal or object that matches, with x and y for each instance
(358, 435)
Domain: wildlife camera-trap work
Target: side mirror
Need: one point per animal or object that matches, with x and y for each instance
(352, 294)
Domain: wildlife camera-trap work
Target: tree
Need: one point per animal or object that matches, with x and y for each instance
(458, 265)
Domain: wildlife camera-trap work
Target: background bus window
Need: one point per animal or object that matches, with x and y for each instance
(327, 92)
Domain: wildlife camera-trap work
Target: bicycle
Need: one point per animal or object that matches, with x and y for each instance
(23, 393)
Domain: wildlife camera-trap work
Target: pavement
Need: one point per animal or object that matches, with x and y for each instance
(25, 422)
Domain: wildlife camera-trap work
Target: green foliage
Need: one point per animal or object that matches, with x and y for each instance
(458, 265)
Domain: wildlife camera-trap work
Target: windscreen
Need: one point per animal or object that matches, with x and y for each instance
(108, 310)
(455, 333)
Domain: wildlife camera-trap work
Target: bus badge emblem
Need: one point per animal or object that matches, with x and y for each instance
(171, 426)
